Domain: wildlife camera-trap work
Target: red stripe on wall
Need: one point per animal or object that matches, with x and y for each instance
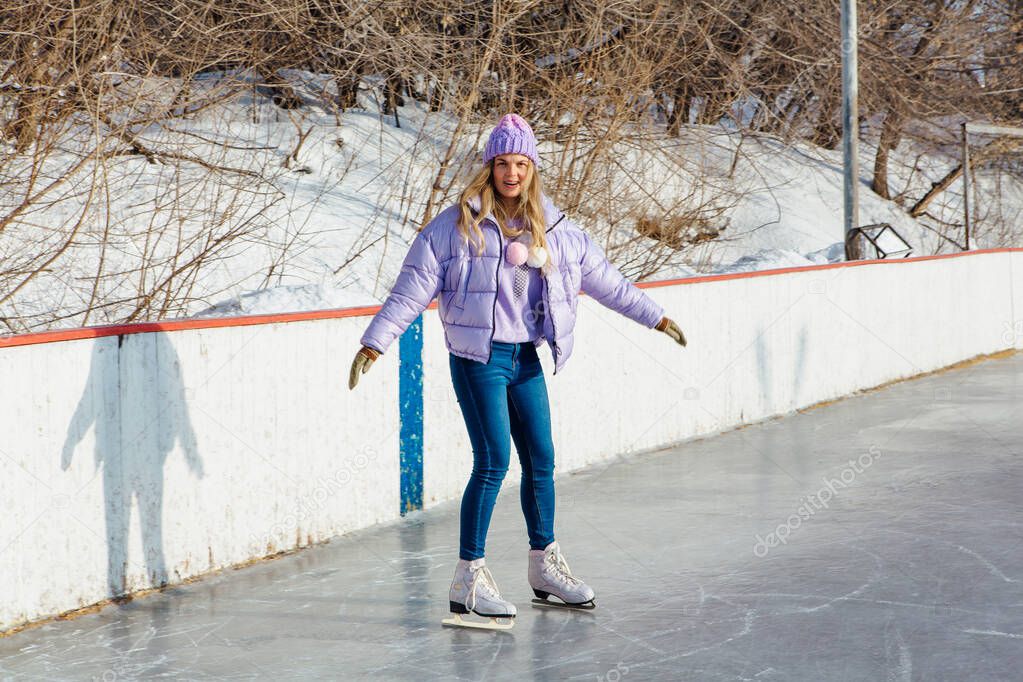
(826, 266)
(279, 318)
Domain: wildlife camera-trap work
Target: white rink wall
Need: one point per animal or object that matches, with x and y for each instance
(186, 452)
(132, 460)
(758, 346)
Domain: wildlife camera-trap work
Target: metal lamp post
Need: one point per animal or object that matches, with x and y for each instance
(850, 131)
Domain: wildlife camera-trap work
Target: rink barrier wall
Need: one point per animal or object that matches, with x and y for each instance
(33, 338)
(147, 454)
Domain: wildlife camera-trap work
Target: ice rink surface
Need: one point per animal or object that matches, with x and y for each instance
(876, 538)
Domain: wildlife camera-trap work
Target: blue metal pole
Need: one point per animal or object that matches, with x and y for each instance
(410, 402)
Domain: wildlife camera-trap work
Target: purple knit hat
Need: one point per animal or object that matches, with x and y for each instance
(512, 135)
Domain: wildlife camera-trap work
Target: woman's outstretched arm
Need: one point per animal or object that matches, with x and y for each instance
(605, 283)
(418, 283)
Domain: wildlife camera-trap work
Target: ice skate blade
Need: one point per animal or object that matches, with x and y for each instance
(585, 606)
(456, 621)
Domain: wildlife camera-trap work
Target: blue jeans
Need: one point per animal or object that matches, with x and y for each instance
(506, 395)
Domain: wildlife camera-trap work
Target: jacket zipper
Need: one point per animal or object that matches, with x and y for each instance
(554, 343)
(497, 288)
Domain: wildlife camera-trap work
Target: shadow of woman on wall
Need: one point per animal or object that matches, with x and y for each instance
(135, 400)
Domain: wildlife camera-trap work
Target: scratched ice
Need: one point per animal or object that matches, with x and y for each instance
(763, 553)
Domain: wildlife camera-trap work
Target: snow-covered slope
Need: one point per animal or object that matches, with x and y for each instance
(349, 202)
(787, 209)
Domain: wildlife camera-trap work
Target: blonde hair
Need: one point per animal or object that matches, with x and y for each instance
(528, 209)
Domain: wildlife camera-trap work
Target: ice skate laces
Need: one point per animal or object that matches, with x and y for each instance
(481, 577)
(556, 562)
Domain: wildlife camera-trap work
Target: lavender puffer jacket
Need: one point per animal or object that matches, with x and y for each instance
(438, 262)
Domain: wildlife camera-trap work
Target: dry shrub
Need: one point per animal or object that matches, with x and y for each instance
(89, 90)
(678, 232)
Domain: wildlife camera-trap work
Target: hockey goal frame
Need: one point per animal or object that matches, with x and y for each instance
(977, 129)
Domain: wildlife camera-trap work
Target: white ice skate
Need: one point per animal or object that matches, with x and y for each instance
(549, 575)
(474, 591)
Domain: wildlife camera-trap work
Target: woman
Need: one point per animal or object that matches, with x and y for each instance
(508, 266)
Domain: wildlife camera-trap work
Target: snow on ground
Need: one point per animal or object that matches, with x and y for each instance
(347, 207)
(788, 213)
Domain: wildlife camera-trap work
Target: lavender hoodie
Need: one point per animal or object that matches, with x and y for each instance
(439, 263)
